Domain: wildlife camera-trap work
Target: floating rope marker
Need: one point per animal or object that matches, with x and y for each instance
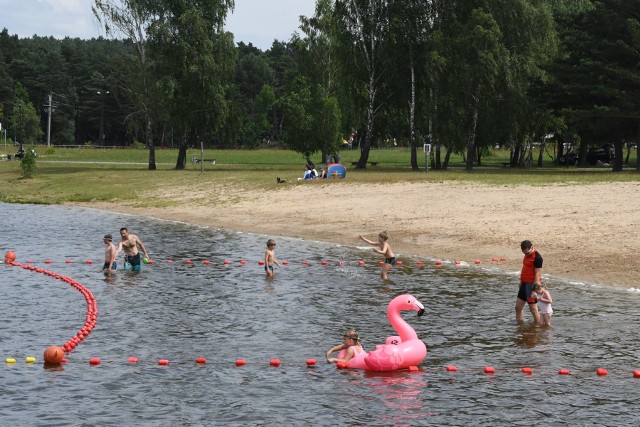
(89, 261)
(242, 262)
(564, 372)
(283, 263)
(275, 362)
(261, 262)
(527, 371)
(188, 261)
(478, 261)
(325, 263)
(201, 360)
(132, 360)
(451, 368)
(311, 362)
(361, 262)
(489, 370)
(241, 362)
(206, 262)
(30, 359)
(636, 374)
(10, 360)
(601, 372)
(94, 361)
(163, 362)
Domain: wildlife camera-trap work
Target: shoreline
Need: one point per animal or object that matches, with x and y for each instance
(579, 239)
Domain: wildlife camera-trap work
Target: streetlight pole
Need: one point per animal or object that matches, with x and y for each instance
(102, 116)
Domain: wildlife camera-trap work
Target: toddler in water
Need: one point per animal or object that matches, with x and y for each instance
(350, 343)
(544, 303)
(270, 258)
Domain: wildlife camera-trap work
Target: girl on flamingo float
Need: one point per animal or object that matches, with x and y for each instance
(349, 348)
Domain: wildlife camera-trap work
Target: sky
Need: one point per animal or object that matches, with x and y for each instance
(254, 21)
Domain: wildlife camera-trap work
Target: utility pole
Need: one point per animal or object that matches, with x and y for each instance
(102, 94)
(49, 109)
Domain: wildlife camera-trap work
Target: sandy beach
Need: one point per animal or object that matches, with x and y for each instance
(587, 233)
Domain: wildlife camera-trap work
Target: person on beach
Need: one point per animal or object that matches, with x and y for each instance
(270, 258)
(350, 343)
(384, 249)
(544, 302)
(530, 274)
(110, 263)
(130, 243)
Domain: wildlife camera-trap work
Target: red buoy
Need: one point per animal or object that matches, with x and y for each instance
(636, 374)
(9, 257)
(241, 362)
(564, 372)
(163, 362)
(275, 362)
(311, 362)
(451, 368)
(527, 371)
(132, 360)
(53, 355)
(489, 370)
(601, 372)
(94, 361)
(201, 360)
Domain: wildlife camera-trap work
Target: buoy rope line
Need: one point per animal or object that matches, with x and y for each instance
(242, 262)
(92, 306)
(92, 315)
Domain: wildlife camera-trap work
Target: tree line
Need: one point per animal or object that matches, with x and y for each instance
(541, 77)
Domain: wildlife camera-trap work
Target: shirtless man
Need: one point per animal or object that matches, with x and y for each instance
(130, 244)
(383, 248)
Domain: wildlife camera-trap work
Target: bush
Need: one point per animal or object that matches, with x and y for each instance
(28, 163)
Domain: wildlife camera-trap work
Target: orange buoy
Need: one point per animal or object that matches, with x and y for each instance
(275, 362)
(9, 257)
(601, 372)
(241, 362)
(311, 362)
(527, 371)
(201, 360)
(163, 362)
(564, 372)
(94, 361)
(451, 368)
(489, 370)
(53, 355)
(132, 360)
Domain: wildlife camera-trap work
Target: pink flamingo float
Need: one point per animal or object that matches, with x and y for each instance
(399, 352)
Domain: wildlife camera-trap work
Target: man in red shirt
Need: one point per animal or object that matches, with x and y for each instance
(531, 273)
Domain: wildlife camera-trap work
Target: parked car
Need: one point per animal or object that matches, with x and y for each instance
(603, 153)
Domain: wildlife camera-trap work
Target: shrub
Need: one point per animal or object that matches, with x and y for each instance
(28, 163)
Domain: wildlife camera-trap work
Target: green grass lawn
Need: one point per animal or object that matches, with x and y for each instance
(86, 174)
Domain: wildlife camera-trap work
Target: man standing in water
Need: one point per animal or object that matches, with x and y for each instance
(531, 273)
(130, 244)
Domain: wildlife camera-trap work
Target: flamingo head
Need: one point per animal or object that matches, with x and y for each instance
(407, 302)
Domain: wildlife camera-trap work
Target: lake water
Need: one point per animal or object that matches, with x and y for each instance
(224, 312)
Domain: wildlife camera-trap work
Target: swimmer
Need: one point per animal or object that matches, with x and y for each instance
(383, 248)
(110, 263)
(544, 302)
(270, 258)
(350, 343)
(130, 244)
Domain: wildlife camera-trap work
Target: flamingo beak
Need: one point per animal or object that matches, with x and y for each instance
(421, 307)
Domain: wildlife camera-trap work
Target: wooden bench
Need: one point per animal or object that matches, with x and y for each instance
(196, 160)
(371, 163)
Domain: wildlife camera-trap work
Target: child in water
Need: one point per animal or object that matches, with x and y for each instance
(383, 248)
(110, 263)
(350, 343)
(544, 303)
(270, 258)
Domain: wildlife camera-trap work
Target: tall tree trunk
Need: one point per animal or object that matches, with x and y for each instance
(182, 151)
(471, 136)
(152, 149)
(412, 117)
(366, 145)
